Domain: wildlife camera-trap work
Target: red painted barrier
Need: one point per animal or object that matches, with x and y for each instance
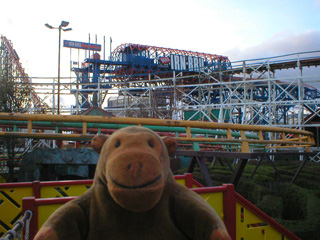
(265, 217)
(235, 210)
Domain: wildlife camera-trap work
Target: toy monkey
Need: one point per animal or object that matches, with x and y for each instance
(134, 196)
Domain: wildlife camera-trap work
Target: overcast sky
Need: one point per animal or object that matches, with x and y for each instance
(239, 29)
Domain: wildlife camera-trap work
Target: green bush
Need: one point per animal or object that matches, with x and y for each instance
(262, 179)
(271, 205)
(295, 206)
(246, 189)
(294, 202)
(308, 228)
(308, 184)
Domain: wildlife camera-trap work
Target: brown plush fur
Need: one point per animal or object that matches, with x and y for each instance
(135, 196)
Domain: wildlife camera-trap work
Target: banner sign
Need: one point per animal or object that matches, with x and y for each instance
(189, 63)
(82, 45)
(164, 60)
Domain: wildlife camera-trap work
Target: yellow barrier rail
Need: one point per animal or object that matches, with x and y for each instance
(243, 220)
(11, 195)
(241, 135)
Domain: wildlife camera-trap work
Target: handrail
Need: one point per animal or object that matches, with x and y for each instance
(143, 121)
(281, 137)
(78, 125)
(16, 231)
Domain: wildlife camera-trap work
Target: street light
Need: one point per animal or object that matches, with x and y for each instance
(61, 27)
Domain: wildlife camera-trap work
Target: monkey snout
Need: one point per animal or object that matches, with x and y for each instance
(135, 169)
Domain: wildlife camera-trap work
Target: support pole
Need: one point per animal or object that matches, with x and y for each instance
(203, 168)
(238, 173)
(58, 112)
(300, 169)
(256, 168)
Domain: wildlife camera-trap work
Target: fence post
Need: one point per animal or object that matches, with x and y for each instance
(229, 207)
(36, 189)
(28, 203)
(189, 180)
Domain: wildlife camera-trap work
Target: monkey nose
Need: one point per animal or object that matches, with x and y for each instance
(134, 169)
(134, 165)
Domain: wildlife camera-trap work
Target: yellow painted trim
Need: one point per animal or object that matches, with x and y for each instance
(303, 139)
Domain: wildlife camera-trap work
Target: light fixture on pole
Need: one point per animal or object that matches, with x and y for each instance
(61, 27)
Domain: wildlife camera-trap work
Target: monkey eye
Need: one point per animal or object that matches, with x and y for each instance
(117, 144)
(150, 143)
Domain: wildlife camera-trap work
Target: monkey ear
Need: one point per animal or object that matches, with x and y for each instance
(171, 144)
(98, 141)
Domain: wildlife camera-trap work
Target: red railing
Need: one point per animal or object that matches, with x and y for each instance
(264, 217)
(231, 201)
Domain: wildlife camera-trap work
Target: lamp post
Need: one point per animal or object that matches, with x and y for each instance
(61, 27)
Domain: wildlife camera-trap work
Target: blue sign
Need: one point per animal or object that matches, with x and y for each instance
(82, 45)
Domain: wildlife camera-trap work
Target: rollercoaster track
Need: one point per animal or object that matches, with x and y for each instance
(156, 52)
(10, 55)
(246, 98)
(238, 135)
(136, 60)
(276, 63)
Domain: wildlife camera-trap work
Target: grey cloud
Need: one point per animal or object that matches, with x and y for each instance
(280, 44)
